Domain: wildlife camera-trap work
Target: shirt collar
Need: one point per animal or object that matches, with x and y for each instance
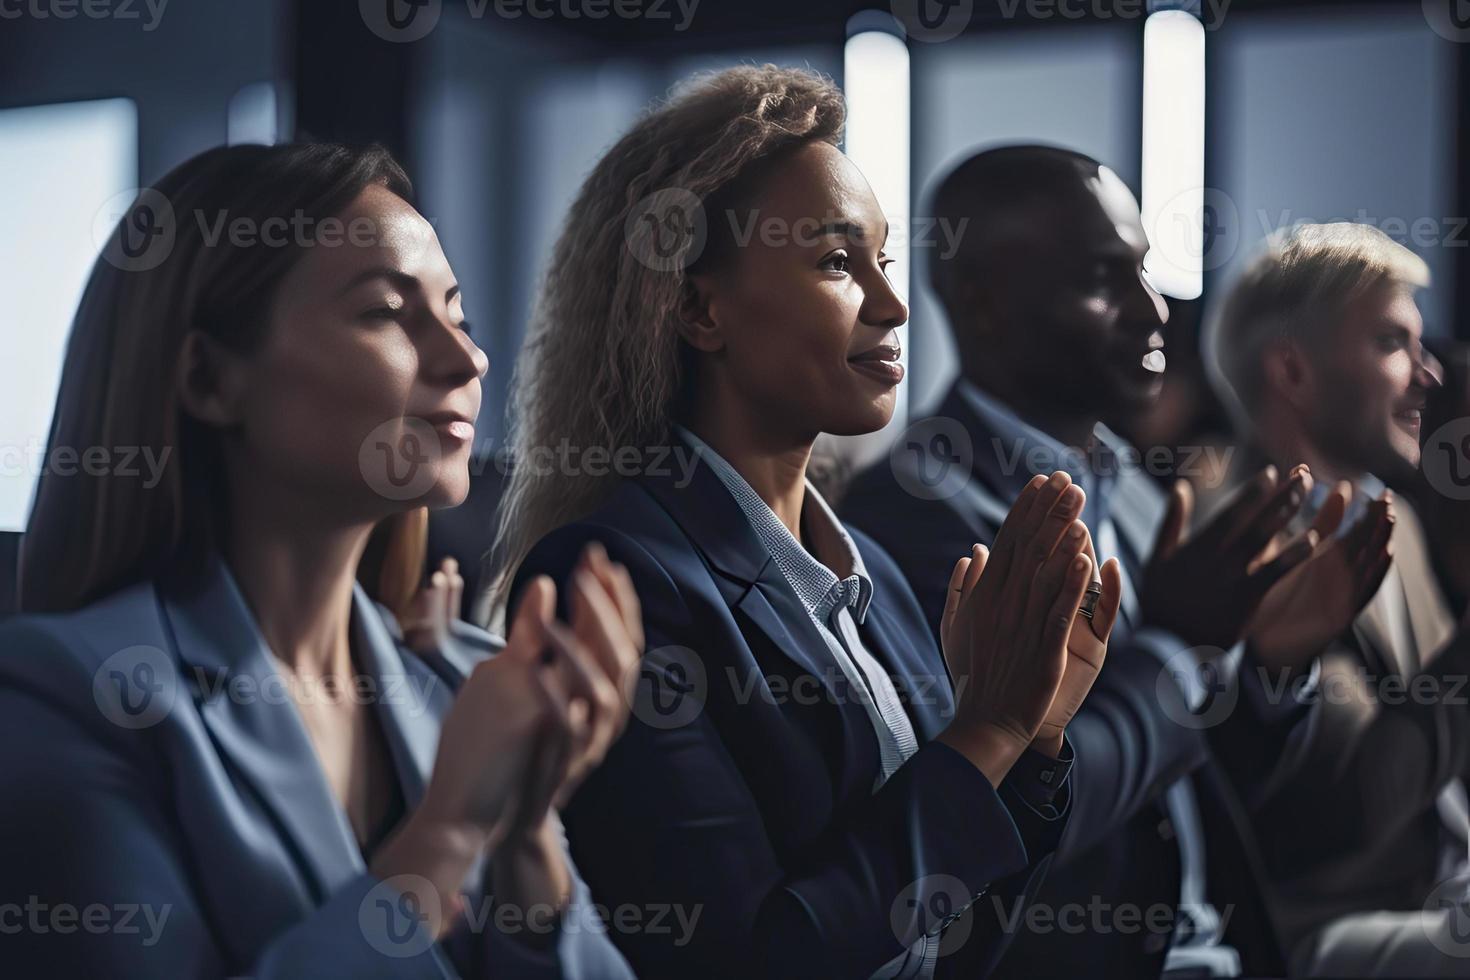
(1366, 488)
(810, 573)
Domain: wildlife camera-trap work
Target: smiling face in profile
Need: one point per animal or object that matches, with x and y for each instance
(799, 323)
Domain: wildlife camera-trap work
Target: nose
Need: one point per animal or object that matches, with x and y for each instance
(1147, 304)
(1428, 372)
(449, 355)
(882, 306)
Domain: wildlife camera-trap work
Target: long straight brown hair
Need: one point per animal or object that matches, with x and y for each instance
(172, 265)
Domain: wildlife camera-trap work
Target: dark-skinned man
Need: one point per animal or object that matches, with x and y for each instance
(1057, 329)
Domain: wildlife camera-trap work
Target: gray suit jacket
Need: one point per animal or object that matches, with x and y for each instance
(165, 815)
(1362, 826)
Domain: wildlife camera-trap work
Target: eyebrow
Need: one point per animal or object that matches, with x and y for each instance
(850, 229)
(399, 280)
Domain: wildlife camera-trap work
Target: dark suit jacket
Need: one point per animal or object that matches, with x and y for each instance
(743, 787)
(1120, 846)
(155, 771)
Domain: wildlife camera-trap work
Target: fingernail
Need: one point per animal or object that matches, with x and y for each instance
(1080, 562)
(1059, 479)
(1076, 530)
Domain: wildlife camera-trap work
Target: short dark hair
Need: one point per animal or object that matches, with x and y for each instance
(988, 191)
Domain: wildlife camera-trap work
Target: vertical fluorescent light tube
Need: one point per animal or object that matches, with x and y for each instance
(1174, 151)
(876, 78)
(252, 116)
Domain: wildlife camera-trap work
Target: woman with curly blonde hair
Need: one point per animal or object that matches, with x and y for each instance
(802, 786)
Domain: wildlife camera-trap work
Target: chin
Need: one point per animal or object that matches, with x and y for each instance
(1407, 454)
(1134, 399)
(1396, 457)
(872, 417)
(450, 491)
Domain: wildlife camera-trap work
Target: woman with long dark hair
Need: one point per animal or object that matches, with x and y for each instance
(215, 757)
(804, 782)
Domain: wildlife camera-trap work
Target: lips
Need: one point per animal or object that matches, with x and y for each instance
(880, 362)
(452, 425)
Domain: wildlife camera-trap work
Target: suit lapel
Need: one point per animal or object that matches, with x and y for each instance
(929, 700)
(754, 587)
(411, 700)
(747, 577)
(1430, 619)
(256, 729)
(1371, 630)
(1137, 509)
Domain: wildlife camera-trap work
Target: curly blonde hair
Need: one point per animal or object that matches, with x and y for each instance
(602, 362)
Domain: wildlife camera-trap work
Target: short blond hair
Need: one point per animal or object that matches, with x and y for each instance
(1302, 276)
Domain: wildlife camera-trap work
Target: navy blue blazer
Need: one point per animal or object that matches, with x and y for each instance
(742, 791)
(157, 778)
(1120, 846)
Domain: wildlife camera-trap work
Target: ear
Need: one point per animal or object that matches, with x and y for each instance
(699, 323)
(1288, 373)
(210, 380)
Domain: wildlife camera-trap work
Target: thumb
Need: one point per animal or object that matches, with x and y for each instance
(1176, 520)
(952, 604)
(533, 616)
